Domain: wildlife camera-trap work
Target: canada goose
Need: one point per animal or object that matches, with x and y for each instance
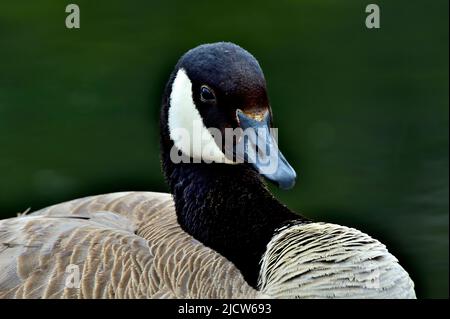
(221, 234)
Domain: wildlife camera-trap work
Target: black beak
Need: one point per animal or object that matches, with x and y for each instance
(258, 147)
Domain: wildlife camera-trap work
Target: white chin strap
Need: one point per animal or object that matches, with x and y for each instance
(186, 127)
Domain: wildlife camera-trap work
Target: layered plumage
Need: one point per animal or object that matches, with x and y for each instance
(321, 260)
(130, 245)
(126, 245)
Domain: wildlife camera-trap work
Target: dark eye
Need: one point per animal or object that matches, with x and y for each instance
(206, 94)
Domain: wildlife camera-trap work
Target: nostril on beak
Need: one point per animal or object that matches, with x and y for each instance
(256, 115)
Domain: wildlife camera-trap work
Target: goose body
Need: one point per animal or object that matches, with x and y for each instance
(125, 245)
(130, 245)
(219, 234)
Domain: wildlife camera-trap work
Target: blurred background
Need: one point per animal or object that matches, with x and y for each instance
(363, 114)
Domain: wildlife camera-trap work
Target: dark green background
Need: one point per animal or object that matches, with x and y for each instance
(363, 114)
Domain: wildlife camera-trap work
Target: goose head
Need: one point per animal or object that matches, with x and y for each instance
(216, 109)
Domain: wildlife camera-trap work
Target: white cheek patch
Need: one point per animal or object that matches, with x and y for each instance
(186, 127)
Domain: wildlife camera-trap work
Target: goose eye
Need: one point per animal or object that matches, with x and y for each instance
(206, 94)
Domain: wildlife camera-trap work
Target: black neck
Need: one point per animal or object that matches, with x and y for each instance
(228, 208)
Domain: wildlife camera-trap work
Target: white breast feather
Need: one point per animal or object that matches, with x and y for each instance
(320, 260)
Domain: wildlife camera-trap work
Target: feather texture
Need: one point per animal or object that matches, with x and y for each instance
(320, 260)
(125, 245)
(130, 245)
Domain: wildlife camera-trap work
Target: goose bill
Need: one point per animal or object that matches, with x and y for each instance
(258, 147)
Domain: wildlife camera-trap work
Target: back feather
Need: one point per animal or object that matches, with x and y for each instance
(130, 245)
(320, 260)
(125, 245)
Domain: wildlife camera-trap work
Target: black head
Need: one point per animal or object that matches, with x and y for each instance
(221, 86)
(233, 79)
